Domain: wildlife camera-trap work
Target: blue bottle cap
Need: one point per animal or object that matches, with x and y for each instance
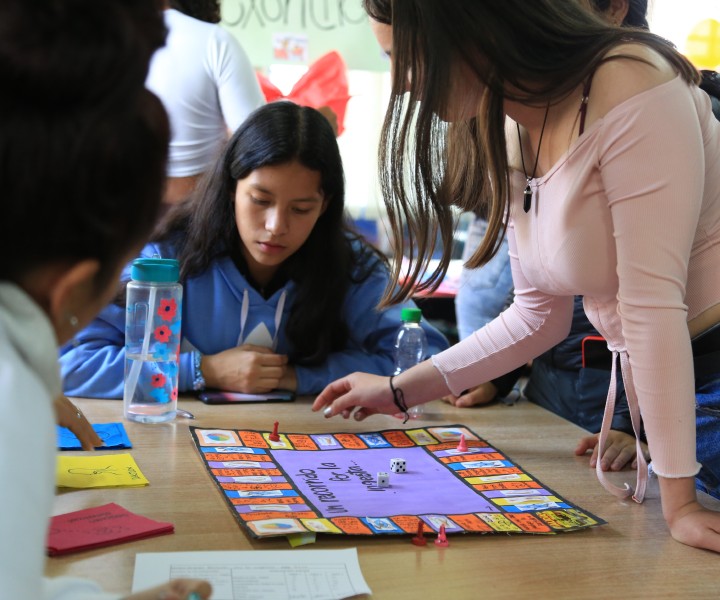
(156, 270)
(411, 315)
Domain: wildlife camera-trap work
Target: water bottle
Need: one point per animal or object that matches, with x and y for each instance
(152, 340)
(410, 347)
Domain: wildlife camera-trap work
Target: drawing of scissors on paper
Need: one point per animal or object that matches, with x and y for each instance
(109, 470)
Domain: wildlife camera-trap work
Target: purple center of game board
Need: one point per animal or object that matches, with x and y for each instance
(344, 483)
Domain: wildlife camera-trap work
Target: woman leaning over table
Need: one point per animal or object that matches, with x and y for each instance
(587, 212)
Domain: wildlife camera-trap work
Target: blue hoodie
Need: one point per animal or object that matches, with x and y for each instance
(93, 364)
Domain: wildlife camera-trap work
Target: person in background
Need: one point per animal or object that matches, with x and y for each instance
(204, 10)
(586, 213)
(710, 84)
(482, 294)
(83, 146)
(278, 293)
(207, 85)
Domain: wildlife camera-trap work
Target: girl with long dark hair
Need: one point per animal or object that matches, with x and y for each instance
(279, 293)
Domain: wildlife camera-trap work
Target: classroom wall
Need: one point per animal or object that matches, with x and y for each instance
(311, 26)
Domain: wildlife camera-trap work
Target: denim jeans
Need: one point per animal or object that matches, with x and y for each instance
(485, 292)
(707, 410)
(579, 396)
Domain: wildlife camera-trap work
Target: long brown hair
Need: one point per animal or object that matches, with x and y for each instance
(544, 49)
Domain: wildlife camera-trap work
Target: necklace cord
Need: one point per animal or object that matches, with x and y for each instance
(527, 193)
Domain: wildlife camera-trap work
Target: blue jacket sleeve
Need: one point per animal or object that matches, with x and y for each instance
(93, 364)
(371, 342)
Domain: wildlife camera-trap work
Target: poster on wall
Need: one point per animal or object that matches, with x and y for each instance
(311, 28)
(290, 47)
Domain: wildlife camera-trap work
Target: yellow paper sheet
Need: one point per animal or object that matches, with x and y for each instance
(110, 470)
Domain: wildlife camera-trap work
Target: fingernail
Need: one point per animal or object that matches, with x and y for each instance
(328, 411)
(194, 596)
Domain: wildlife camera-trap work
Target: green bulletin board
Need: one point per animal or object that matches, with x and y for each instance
(308, 28)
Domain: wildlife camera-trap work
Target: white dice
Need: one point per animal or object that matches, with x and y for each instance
(397, 465)
(383, 479)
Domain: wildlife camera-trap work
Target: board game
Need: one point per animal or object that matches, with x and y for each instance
(332, 483)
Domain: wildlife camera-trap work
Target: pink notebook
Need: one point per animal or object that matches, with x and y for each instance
(100, 526)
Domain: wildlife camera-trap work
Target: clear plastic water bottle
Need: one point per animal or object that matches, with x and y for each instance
(410, 347)
(152, 340)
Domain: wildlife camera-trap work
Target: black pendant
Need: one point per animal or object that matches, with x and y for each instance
(527, 197)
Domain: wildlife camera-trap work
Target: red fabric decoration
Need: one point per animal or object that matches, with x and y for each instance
(324, 84)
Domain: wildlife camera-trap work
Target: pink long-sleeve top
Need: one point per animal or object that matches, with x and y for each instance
(629, 218)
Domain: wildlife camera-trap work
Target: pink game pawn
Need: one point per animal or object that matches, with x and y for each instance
(274, 437)
(442, 540)
(419, 539)
(462, 446)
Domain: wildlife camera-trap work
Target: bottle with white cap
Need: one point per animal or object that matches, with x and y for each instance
(410, 347)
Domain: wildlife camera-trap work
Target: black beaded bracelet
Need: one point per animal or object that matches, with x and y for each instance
(399, 399)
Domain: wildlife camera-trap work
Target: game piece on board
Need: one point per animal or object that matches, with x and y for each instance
(383, 480)
(398, 465)
(442, 540)
(274, 437)
(419, 539)
(462, 446)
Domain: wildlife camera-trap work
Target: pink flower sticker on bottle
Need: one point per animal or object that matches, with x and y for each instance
(162, 334)
(157, 380)
(167, 309)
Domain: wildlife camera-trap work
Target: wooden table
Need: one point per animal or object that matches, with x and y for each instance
(633, 556)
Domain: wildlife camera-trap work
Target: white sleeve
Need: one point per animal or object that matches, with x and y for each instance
(26, 502)
(239, 92)
(70, 588)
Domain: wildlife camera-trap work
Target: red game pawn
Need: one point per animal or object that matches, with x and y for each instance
(274, 437)
(419, 539)
(462, 446)
(442, 540)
